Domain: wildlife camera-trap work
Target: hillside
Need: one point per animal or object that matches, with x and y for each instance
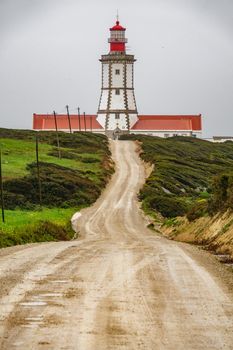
(193, 179)
(68, 183)
(184, 171)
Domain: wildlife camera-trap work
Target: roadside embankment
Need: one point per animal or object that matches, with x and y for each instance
(215, 233)
(41, 198)
(189, 192)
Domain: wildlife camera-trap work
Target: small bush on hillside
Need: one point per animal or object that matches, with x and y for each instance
(168, 206)
(198, 210)
(221, 194)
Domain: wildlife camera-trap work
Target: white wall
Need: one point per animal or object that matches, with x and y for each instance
(120, 123)
(105, 68)
(129, 75)
(104, 99)
(118, 80)
(166, 133)
(101, 119)
(117, 101)
(131, 102)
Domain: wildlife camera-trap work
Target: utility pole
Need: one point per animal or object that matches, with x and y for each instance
(79, 119)
(57, 136)
(1, 185)
(68, 115)
(85, 127)
(38, 170)
(91, 122)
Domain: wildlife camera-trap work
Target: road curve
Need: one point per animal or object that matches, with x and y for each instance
(118, 287)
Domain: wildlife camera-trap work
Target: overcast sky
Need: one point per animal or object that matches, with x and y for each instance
(49, 52)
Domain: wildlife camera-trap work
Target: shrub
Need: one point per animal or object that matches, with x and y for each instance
(168, 206)
(221, 194)
(60, 187)
(39, 232)
(198, 210)
(185, 167)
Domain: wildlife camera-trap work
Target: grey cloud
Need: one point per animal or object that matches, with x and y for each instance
(50, 49)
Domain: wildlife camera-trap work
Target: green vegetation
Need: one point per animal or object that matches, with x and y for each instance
(184, 177)
(222, 193)
(36, 226)
(68, 183)
(227, 226)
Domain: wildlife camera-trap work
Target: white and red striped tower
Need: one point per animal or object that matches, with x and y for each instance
(117, 111)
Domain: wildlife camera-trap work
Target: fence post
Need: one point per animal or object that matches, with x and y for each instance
(68, 115)
(91, 122)
(85, 126)
(58, 143)
(1, 185)
(38, 170)
(79, 119)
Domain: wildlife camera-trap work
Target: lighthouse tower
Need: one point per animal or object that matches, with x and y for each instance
(117, 111)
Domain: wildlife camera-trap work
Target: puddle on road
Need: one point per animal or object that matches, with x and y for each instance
(36, 319)
(51, 295)
(31, 325)
(47, 295)
(33, 303)
(60, 281)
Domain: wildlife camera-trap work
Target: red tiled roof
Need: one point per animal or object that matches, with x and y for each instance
(145, 122)
(47, 122)
(168, 122)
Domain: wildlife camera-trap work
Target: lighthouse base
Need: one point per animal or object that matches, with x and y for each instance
(115, 134)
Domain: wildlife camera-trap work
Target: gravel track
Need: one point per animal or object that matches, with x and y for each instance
(118, 287)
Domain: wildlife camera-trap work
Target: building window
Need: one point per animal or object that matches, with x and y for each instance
(117, 91)
(117, 116)
(117, 71)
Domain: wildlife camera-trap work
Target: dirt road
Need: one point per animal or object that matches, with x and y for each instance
(119, 287)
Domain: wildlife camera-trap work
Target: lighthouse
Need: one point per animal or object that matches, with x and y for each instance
(117, 110)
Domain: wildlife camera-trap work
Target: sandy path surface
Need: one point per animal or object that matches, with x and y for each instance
(119, 287)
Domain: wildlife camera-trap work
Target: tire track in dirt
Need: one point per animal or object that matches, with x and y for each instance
(119, 287)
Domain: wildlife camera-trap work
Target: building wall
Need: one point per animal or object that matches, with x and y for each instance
(117, 79)
(117, 106)
(130, 75)
(167, 133)
(105, 75)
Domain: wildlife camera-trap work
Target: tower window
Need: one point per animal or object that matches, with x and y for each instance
(117, 71)
(117, 116)
(117, 91)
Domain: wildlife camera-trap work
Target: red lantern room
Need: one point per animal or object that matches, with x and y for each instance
(117, 40)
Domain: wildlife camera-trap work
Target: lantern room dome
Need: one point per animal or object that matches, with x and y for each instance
(117, 26)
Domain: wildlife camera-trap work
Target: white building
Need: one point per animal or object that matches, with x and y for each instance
(117, 111)
(117, 107)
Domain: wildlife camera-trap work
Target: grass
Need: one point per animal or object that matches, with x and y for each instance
(68, 184)
(184, 171)
(36, 226)
(17, 154)
(21, 218)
